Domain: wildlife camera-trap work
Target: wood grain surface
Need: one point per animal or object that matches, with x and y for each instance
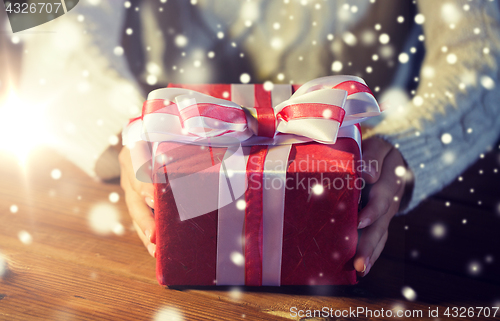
(55, 266)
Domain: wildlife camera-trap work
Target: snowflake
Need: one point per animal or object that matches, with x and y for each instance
(487, 82)
(403, 57)
(336, 66)
(384, 38)
(244, 78)
(446, 138)
(451, 58)
(409, 293)
(181, 41)
(438, 231)
(419, 19)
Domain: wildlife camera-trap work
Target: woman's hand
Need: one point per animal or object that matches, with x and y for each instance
(381, 160)
(139, 199)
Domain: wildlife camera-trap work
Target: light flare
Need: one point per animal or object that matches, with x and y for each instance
(22, 126)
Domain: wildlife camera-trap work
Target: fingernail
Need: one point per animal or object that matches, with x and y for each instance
(368, 269)
(148, 234)
(364, 223)
(150, 201)
(364, 268)
(369, 173)
(152, 250)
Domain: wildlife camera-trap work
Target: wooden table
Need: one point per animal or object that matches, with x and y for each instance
(55, 267)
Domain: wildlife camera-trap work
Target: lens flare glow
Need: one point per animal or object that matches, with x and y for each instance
(22, 126)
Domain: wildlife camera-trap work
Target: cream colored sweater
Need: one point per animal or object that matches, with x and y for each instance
(453, 117)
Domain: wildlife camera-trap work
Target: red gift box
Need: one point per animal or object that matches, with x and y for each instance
(259, 195)
(319, 231)
(318, 235)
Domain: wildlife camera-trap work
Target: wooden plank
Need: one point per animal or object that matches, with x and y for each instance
(68, 272)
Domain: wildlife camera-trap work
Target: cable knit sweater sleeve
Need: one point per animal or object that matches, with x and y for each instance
(454, 115)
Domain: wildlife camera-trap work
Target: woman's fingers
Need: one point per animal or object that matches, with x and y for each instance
(149, 246)
(368, 241)
(372, 241)
(383, 192)
(141, 214)
(376, 253)
(136, 194)
(374, 152)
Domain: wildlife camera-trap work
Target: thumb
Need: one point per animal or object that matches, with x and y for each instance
(375, 150)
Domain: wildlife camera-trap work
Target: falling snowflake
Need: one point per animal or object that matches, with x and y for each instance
(418, 101)
(25, 237)
(56, 174)
(318, 189)
(450, 13)
(118, 51)
(276, 43)
(487, 82)
(409, 293)
(400, 171)
(384, 38)
(349, 39)
(244, 78)
(241, 205)
(14, 208)
(448, 157)
(168, 314)
(419, 19)
(403, 57)
(336, 66)
(235, 293)
(151, 80)
(438, 231)
(181, 41)
(451, 58)
(237, 258)
(474, 268)
(114, 197)
(446, 138)
(268, 85)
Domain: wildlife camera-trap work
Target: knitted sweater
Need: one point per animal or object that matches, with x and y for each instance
(451, 119)
(454, 116)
